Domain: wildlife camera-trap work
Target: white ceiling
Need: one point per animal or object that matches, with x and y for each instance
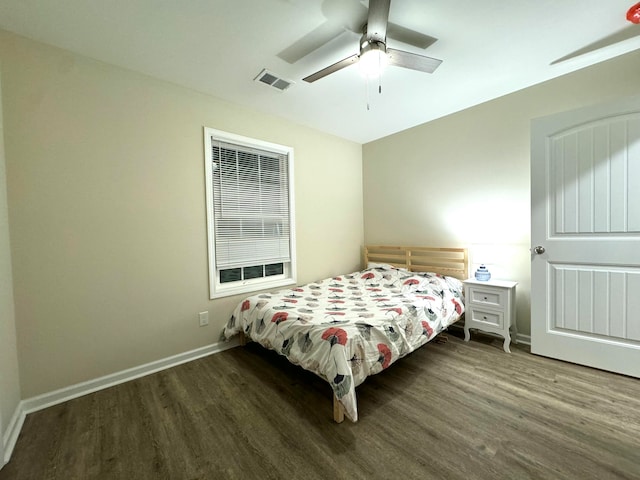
(489, 48)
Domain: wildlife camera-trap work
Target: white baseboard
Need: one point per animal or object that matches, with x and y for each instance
(56, 397)
(11, 433)
(526, 339)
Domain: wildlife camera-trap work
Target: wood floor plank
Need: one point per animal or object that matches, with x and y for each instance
(448, 411)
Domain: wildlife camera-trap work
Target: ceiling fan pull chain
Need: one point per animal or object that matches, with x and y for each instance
(366, 81)
(380, 69)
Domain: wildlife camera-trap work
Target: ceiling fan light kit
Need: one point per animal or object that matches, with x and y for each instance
(373, 59)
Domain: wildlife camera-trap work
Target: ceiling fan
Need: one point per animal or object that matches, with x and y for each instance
(374, 54)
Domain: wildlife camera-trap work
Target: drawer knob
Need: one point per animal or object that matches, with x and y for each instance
(485, 298)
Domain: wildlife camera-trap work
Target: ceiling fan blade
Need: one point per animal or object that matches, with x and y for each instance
(410, 37)
(313, 40)
(412, 61)
(331, 69)
(377, 20)
(617, 37)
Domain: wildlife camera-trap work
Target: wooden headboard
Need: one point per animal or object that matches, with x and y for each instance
(453, 262)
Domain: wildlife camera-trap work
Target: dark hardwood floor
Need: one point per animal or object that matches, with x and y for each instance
(449, 411)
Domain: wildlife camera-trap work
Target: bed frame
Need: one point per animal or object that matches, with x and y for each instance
(453, 262)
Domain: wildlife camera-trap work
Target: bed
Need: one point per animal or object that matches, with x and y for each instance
(349, 327)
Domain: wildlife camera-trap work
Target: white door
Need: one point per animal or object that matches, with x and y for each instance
(585, 233)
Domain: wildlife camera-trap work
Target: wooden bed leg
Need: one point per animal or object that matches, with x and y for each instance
(441, 338)
(243, 339)
(338, 410)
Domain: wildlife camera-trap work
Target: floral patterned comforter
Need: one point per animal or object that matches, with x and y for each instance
(349, 327)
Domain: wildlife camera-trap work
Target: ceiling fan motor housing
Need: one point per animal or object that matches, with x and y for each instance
(372, 46)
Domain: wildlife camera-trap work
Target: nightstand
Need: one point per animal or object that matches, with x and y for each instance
(490, 306)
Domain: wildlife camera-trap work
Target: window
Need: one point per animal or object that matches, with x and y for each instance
(250, 219)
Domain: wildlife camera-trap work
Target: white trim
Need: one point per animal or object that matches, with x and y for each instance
(56, 397)
(49, 399)
(216, 290)
(12, 432)
(249, 286)
(245, 141)
(524, 339)
(2, 443)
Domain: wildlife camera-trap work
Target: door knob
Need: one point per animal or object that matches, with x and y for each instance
(539, 250)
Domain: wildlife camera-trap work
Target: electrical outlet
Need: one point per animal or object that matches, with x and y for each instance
(204, 318)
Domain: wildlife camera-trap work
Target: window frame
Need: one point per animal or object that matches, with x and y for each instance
(289, 276)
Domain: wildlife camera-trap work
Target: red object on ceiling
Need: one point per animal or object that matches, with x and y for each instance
(633, 15)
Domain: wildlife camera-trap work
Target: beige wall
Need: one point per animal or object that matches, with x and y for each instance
(9, 381)
(463, 180)
(105, 173)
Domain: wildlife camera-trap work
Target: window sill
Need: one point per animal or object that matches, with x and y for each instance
(251, 288)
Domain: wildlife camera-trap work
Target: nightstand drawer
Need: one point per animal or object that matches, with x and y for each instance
(494, 319)
(491, 297)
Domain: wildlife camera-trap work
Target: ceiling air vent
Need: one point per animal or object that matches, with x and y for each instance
(269, 78)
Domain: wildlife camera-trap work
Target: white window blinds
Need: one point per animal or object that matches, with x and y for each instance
(250, 205)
